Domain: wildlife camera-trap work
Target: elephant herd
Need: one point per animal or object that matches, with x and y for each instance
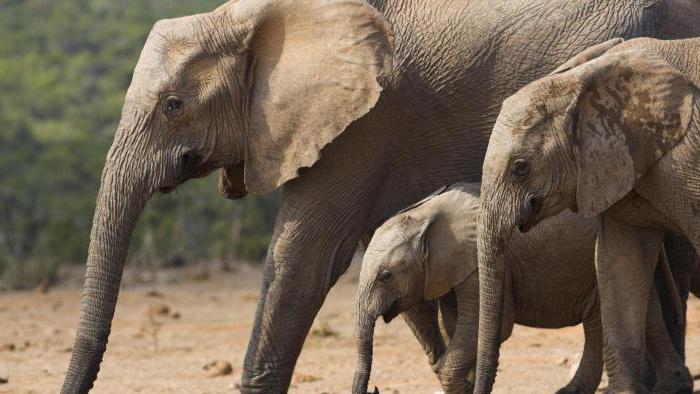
(568, 134)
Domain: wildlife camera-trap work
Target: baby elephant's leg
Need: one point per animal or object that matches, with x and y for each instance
(671, 375)
(448, 312)
(423, 321)
(590, 369)
(455, 369)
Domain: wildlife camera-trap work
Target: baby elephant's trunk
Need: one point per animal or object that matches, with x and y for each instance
(365, 339)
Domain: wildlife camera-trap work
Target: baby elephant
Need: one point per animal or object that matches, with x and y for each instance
(428, 253)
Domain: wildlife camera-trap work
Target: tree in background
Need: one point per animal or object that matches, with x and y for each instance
(65, 66)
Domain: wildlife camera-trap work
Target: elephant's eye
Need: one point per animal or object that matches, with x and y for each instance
(173, 106)
(384, 276)
(519, 168)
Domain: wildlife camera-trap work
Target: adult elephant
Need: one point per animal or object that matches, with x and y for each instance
(262, 87)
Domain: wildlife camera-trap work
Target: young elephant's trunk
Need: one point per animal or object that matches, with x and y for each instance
(492, 236)
(365, 342)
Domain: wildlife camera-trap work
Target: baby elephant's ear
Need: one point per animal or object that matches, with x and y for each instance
(449, 265)
(633, 108)
(587, 54)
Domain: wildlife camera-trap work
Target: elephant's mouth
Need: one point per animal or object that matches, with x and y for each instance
(195, 169)
(392, 312)
(529, 212)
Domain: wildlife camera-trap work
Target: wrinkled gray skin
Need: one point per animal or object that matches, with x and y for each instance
(428, 255)
(285, 92)
(618, 137)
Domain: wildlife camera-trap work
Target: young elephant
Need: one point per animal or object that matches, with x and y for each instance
(428, 252)
(612, 134)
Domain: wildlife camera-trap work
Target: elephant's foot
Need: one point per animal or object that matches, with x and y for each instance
(679, 382)
(637, 388)
(571, 390)
(455, 383)
(577, 386)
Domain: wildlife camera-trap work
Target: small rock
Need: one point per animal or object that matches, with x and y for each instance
(250, 296)
(3, 380)
(218, 368)
(324, 330)
(304, 378)
(7, 347)
(154, 294)
(536, 344)
(159, 309)
(176, 315)
(563, 361)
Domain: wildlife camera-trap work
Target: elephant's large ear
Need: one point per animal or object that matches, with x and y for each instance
(587, 54)
(632, 109)
(316, 66)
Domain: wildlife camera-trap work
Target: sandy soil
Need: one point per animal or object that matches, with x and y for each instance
(211, 320)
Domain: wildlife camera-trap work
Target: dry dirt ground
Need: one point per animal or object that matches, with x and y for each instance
(154, 350)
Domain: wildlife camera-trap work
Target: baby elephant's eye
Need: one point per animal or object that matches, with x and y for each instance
(173, 106)
(384, 276)
(519, 168)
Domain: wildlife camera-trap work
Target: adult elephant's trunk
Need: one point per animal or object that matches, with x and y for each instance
(122, 196)
(365, 341)
(492, 236)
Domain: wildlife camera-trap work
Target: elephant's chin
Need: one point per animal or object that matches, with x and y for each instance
(527, 226)
(392, 312)
(530, 212)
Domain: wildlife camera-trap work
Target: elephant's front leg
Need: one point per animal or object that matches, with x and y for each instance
(671, 375)
(322, 218)
(625, 260)
(423, 321)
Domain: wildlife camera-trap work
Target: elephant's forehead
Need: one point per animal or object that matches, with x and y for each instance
(537, 102)
(523, 110)
(168, 47)
(387, 241)
(392, 240)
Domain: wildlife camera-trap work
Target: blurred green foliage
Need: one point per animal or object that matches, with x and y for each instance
(65, 66)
